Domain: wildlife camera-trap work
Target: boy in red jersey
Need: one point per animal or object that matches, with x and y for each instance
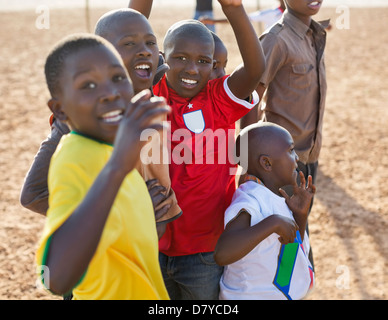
(203, 112)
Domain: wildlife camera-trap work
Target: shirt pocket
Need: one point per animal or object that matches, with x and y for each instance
(301, 76)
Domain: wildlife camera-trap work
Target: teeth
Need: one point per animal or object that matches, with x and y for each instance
(143, 67)
(315, 3)
(113, 116)
(188, 81)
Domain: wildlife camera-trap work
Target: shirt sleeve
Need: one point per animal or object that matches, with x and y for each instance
(34, 193)
(241, 201)
(228, 107)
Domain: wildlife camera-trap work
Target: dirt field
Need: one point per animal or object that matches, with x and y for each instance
(349, 220)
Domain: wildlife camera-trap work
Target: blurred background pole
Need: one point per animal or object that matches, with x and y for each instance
(87, 15)
(260, 28)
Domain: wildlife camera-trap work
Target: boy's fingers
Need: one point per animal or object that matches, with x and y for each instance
(143, 95)
(154, 190)
(142, 102)
(302, 179)
(283, 193)
(162, 211)
(310, 185)
(151, 182)
(159, 126)
(151, 113)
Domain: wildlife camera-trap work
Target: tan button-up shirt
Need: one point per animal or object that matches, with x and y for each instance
(295, 79)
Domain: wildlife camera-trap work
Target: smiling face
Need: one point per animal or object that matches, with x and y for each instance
(133, 37)
(190, 58)
(304, 9)
(94, 92)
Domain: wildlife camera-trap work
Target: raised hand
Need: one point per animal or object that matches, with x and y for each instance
(157, 194)
(143, 113)
(299, 202)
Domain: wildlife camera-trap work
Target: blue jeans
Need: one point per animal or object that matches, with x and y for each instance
(191, 277)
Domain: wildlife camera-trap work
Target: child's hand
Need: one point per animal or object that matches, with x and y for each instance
(299, 202)
(234, 3)
(142, 113)
(285, 227)
(157, 194)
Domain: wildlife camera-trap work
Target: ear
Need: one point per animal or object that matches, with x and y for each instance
(56, 108)
(265, 162)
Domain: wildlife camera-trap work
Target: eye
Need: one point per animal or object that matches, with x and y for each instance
(119, 77)
(204, 61)
(130, 43)
(151, 43)
(89, 85)
(182, 58)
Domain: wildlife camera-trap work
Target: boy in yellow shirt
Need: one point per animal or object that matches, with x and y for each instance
(99, 240)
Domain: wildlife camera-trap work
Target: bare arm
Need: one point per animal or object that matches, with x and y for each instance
(250, 118)
(246, 77)
(143, 6)
(256, 113)
(239, 238)
(74, 243)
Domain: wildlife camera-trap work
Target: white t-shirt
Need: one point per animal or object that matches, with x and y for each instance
(268, 17)
(271, 271)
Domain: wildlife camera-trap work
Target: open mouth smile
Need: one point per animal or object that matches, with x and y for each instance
(112, 117)
(189, 83)
(314, 4)
(143, 70)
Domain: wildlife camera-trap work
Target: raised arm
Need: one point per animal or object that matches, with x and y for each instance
(245, 78)
(143, 6)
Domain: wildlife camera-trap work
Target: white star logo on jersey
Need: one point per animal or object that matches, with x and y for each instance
(190, 106)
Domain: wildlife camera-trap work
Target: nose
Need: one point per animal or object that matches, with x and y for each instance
(191, 67)
(296, 157)
(109, 92)
(144, 51)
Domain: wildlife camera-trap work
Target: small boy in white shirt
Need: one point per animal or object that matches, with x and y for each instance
(264, 247)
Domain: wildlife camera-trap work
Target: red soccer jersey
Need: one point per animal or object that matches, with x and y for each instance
(200, 172)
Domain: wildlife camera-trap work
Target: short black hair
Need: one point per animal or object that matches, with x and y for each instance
(69, 45)
(189, 28)
(104, 24)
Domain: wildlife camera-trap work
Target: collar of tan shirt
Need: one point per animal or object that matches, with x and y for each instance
(300, 28)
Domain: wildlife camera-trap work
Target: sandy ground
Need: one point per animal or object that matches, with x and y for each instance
(348, 224)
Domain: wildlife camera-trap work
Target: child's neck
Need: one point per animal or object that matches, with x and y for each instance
(305, 19)
(263, 182)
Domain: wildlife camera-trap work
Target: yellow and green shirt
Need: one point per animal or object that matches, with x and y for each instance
(125, 264)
